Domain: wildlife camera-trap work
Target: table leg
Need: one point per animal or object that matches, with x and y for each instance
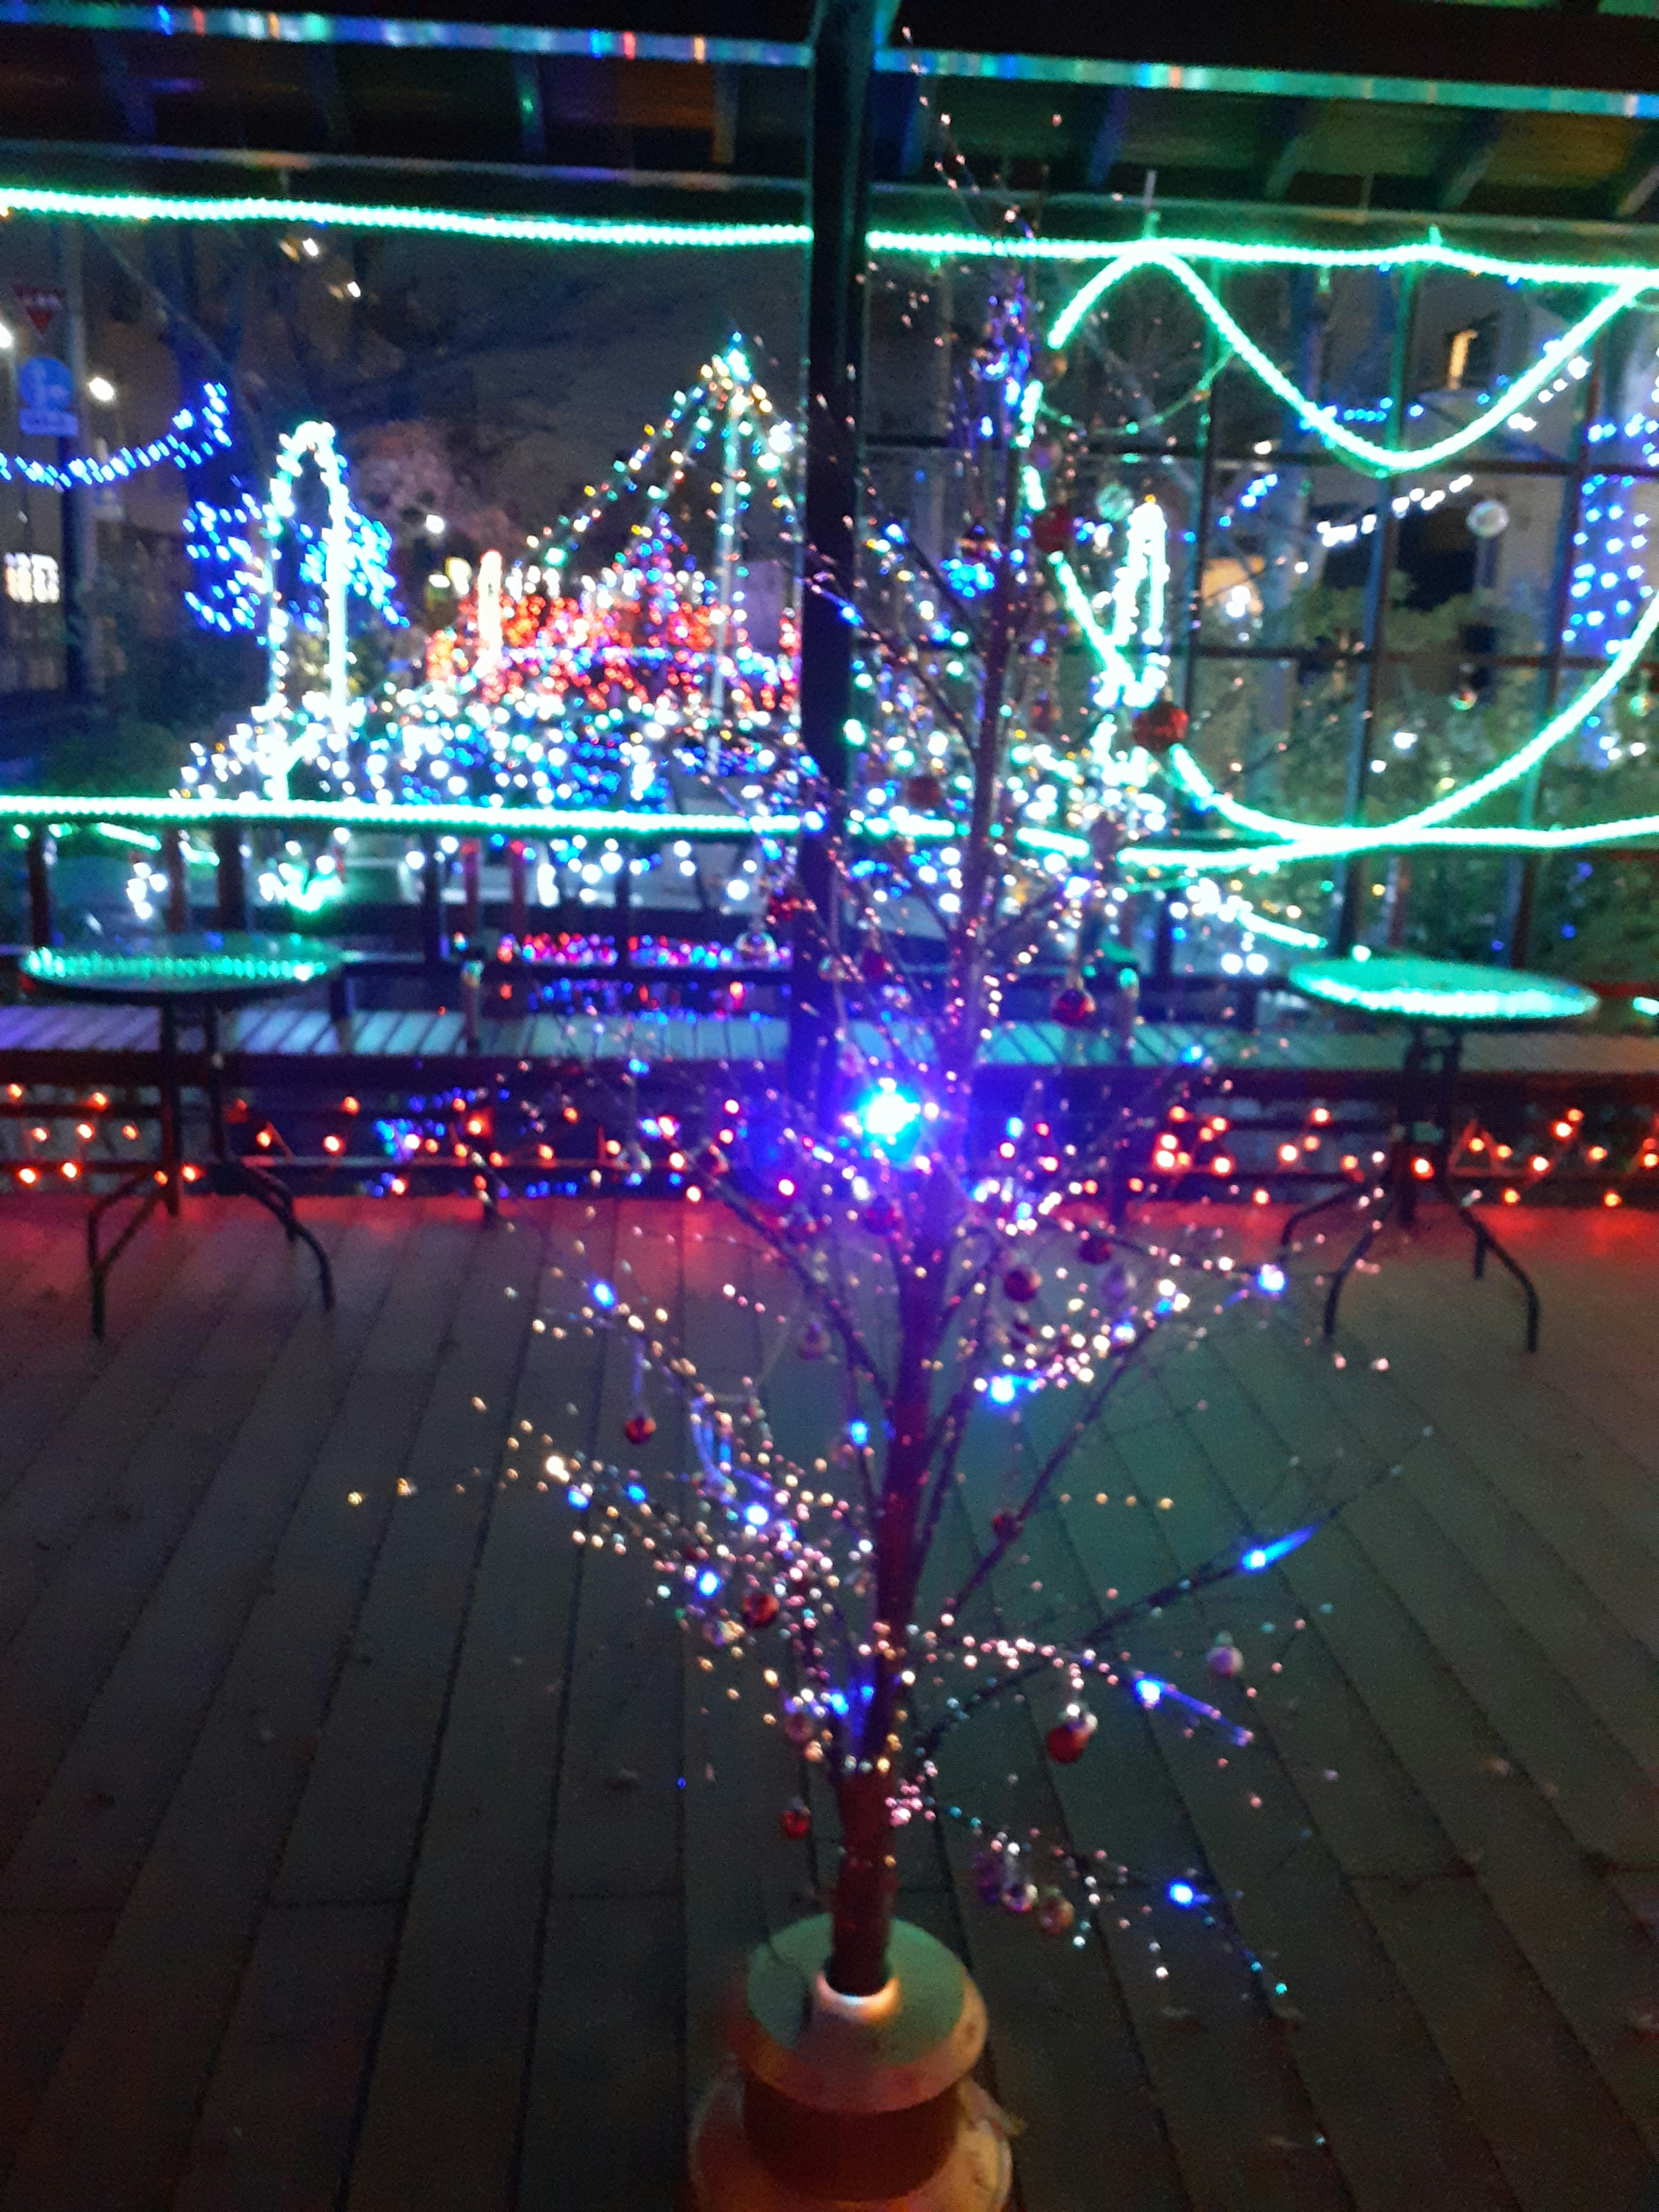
(1348, 1195)
(234, 1177)
(99, 1263)
(172, 1110)
(1363, 1243)
(1484, 1241)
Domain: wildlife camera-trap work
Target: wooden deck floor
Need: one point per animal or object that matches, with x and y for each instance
(365, 1842)
(46, 1042)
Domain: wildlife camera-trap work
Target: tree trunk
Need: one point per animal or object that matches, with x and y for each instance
(865, 1885)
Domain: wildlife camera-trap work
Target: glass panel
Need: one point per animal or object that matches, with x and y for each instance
(540, 543)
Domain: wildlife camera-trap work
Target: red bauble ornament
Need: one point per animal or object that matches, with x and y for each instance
(1021, 1284)
(1073, 1008)
(1096, 1249)
(1069, 1737)
(639, 1428)
(1004, 1525)
(1055, 1912)
(1018, 1897)
(760, 1608)
(1160, 727)
(1051, 530)
(1223, 1658)
(881, 1217)
(922, 793)
(796, 1821)
(874, 965)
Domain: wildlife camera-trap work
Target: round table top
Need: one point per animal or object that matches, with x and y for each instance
(1418, 990)
(223, 970)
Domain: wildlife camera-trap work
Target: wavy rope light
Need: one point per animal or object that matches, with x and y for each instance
(1336, 838)
(1382, 460)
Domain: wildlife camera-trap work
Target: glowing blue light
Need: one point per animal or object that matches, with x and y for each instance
(603, 1295)
(1270, 1279)
(858, 1432)
(1002, 1390)
(886, 1112)
(637, 1491)
(1149, 1691)
(576, 1497)
(1183, 1893)
(708, 1583)
(1263, 1555)
(757, 1516)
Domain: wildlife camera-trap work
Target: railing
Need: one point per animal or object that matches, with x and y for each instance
(442, 944)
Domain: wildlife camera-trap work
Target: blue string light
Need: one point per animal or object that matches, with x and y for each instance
(197, 434)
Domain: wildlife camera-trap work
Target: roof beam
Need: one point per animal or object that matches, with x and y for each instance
(1639, 178)
(1294, 134)
(1109, 134)
(1466, 158)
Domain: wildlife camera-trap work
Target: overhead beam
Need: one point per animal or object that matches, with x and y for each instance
(1466, 158)
(1109, 134)
(1294, 132)
(1639, 178)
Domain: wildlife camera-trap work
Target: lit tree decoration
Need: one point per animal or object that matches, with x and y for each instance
(297, 584)
(557, 683)
(961, 1266)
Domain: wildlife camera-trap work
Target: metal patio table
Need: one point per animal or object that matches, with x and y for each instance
(1437, 1001)
(190, 981)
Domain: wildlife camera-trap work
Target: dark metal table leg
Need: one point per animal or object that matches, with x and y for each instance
(235, 1177)
(1349, 1195)
(172, 1148)
(1363, 1243)
(99, 1263)
(1484, 1241)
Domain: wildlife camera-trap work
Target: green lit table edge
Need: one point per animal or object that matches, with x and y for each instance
(1416, 989)
(197, 967)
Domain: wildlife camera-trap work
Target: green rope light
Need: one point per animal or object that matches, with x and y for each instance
(1440, 990)
(1384, 461)
(178, 971)
(1309, 841)
(931, 245)
(520, 230)
(360, 814)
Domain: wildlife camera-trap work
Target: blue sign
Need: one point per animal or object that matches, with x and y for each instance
(45, 398)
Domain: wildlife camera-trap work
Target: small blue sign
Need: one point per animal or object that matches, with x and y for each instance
(45, 398)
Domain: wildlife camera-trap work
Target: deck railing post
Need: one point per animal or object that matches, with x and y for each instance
(173, 860)
(472, 891)
(432, 903)
(42, 852)
(233, 875)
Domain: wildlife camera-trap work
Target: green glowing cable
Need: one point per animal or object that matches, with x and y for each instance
(1315, 839)
(528, 230)
(1384, 460)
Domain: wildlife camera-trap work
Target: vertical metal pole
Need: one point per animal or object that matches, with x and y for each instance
(1345, 927)
(1521, 886)
(233, 875)
(42, 850)
(472, 891)
(432, 904)
(78, 544)
(622, 919)
(173, 860)
(517, 895)
(844, 38)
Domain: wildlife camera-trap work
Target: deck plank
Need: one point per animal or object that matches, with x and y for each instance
(616, 1844)
(442, 2118)
(182, 1942)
